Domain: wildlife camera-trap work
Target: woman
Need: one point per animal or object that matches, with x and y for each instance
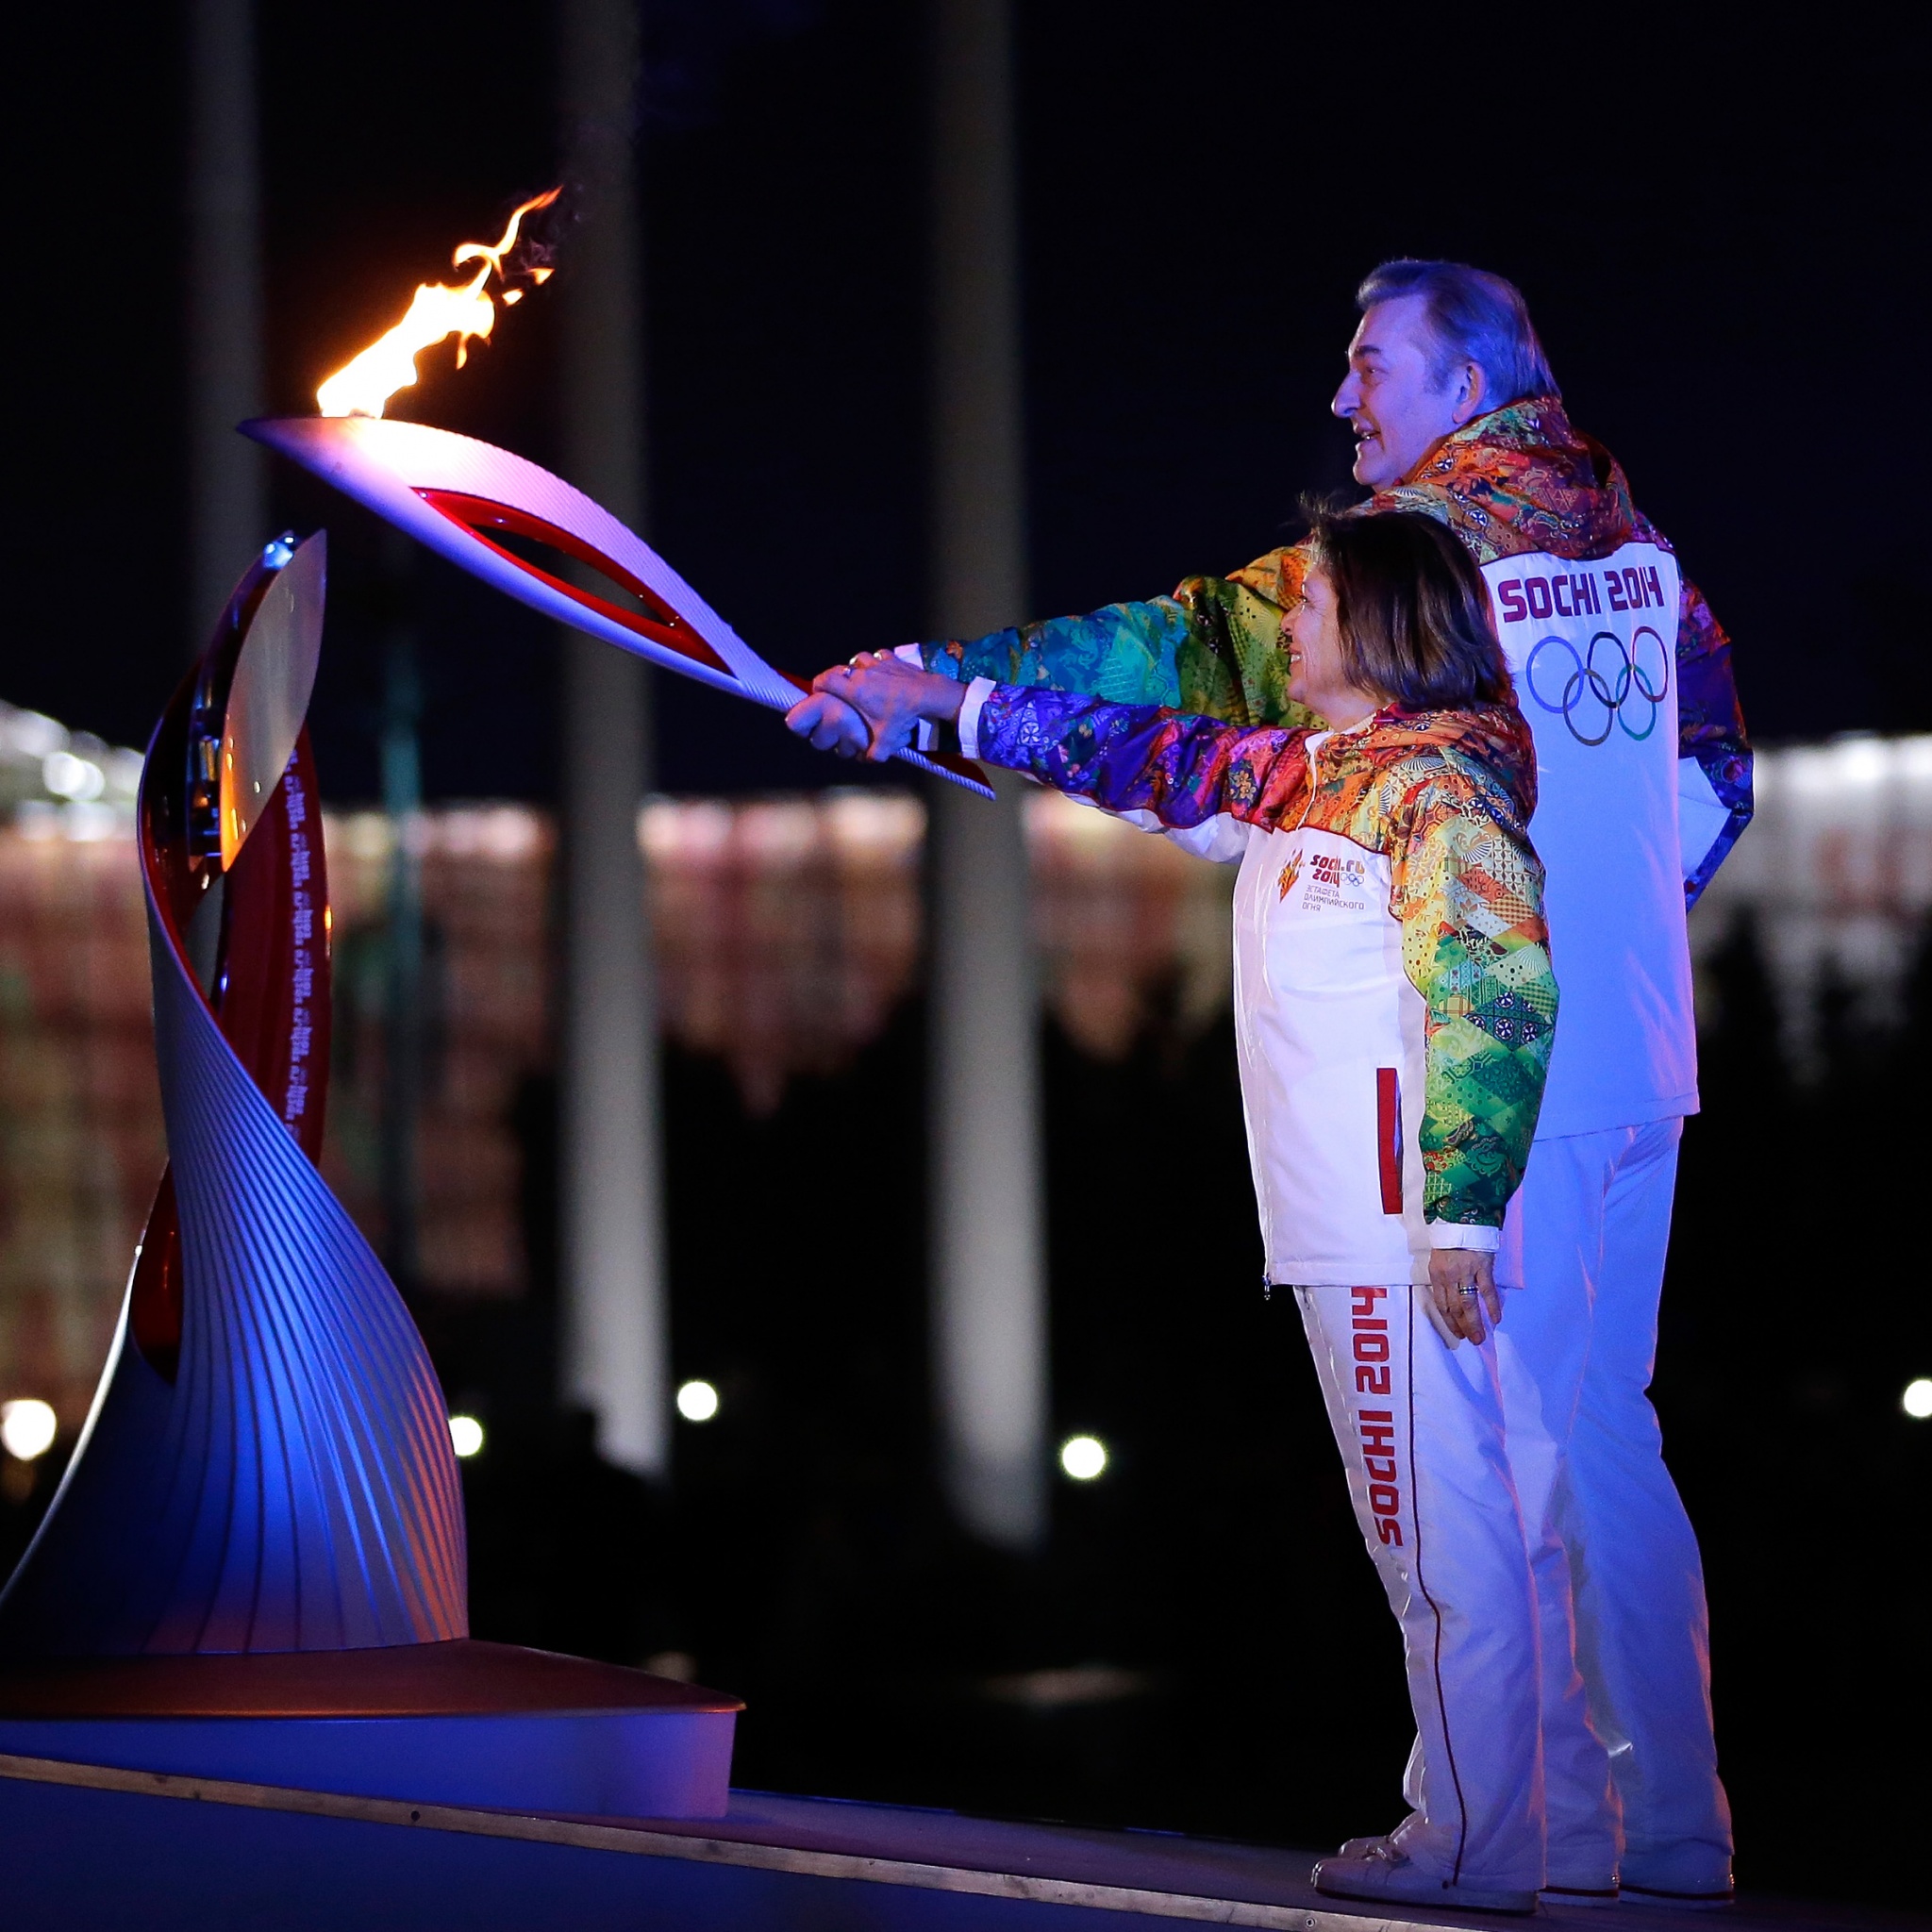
(1394, 1010)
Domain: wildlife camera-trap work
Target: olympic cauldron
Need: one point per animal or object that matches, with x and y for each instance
(255, 1566)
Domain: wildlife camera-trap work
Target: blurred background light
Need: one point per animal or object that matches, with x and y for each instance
(697, 1402)
(67, 776)
(465, 1433)
(28, 1428)
(1918, 1397)
(1083, 1458)
(1063, 1688)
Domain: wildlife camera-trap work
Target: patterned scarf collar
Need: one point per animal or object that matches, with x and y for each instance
(1492, 737)
(1522, 478)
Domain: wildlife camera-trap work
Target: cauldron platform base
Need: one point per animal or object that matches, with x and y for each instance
(460, 1723)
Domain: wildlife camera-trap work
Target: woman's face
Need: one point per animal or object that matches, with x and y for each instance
(1317, 675)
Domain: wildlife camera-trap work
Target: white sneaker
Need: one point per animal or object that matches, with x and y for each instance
(1689, 1876)
(1364, 1847)
(1380, 1873)
(1604, 1894)
(1677, 1901)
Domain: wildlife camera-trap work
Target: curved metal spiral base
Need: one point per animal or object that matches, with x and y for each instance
(268, 1463)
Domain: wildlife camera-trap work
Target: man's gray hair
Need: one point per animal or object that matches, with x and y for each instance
(1474, 317)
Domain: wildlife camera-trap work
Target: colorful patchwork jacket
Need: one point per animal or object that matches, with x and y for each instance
(1443, 797)
(1517, 480)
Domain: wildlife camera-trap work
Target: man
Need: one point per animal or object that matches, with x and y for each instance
(1644, 777)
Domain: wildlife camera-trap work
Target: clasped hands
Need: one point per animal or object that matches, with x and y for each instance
(873, 707)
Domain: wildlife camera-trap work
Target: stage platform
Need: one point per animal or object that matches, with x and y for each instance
(85, 1846)
(487, 1725)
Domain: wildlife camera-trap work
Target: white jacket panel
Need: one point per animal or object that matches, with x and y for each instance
(1592, 647)
(1329, 1031)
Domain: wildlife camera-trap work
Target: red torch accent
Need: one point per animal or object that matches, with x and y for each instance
(662, 625)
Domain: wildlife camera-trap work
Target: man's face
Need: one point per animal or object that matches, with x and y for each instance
(1387, 397)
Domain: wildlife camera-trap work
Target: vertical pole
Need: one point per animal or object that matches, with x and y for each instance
(227, 487)
(988, 1267)
(616, 1351)
(403, 1042)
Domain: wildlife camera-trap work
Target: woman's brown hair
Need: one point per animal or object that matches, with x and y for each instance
(1412, 611)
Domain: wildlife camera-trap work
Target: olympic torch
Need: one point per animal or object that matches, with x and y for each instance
(511, 522)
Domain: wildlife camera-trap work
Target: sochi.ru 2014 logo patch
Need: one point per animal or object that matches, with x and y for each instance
(1289, 873)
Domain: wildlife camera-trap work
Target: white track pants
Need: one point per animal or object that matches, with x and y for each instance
(1631, 1765)
(1421, 1429)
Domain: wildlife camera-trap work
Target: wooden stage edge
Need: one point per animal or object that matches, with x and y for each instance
(656, 1842)
(916, 1854)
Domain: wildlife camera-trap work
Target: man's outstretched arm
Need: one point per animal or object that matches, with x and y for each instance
(1213, 649)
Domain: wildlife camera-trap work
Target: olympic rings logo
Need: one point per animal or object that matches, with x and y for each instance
(1605, 684)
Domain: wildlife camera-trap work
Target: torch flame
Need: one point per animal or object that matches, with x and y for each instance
(364, 386)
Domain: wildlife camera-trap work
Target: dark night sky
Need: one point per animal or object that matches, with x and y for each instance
(1718, 225)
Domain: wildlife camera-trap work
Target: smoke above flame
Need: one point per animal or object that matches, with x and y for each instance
(363, 387)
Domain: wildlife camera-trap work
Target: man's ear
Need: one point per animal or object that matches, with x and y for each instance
(1472, 393)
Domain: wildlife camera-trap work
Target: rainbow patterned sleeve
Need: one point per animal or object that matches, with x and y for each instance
(1710, 724)
(1183, 768)
(1212, 649)
(1468, 889)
